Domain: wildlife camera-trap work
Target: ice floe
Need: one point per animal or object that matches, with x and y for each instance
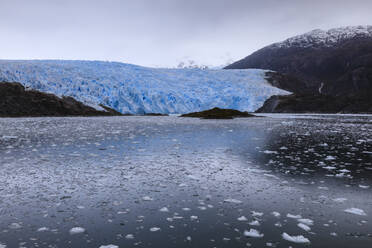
(147, 198)
(109, 246)
(276, 214)
(242, 218)
(295, 239)
(129, 236)
(76, 230)
(253, 233)
(232, 201)
(292, 216)
(355, 211)
(43, 229)
(304, 227)
(164, 209)
(306, 221)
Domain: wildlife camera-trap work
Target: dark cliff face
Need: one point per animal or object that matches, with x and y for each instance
(15, 101)
(345, 68)
(306, 103)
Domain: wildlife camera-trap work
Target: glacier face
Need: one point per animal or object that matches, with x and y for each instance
(135, 89)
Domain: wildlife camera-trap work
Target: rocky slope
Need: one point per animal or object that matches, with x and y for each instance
(307, 103)
(334, 62)
(15, 101)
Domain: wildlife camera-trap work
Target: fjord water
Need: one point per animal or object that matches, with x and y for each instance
(177, 182)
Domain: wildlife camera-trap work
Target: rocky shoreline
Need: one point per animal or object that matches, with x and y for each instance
(307, 103)
(16, 101)
(217, 113)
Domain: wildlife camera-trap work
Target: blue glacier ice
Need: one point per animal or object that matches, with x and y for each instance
(135, 89)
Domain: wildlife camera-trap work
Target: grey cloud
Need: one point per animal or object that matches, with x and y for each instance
(161, 32)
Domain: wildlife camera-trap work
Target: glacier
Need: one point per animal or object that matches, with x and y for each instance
(137, 90)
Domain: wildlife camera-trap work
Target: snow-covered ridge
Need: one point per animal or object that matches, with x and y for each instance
(325, 38)
(135, 89)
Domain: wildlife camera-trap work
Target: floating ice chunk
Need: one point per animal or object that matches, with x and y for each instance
(253, 233)
(304, 227)
(9, 137)
(363, 186)
(109, 246)
(254, 223)
(242, 218)
(323, 188)
(129, 236)
(43, 229)
(339, 175)
(307, 222)
(278, 224)
(232, 201)
(344, 171)
(193, 217)
(15, 226)
(155, 229)
(256, 214)
(292, 216)
(329, 167)
(193, 177)
(273, 176)
(147, 198)
(188, 238)
(340, 200)
(2, 245)
(164, 209)
(186, 209)
(276, 214)
(355, 211)
(329, 158)
(270, 152)
(295, 239)
(76, 230)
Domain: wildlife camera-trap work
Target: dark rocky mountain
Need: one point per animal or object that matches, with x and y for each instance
(15, 101)
(337, 62)
(340, 59)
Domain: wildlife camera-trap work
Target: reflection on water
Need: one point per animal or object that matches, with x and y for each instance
(174, 182)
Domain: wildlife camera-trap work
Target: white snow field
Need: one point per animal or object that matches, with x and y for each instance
(137, 90)
(325, 38)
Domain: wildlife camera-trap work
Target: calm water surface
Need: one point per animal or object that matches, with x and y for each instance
(175, 182)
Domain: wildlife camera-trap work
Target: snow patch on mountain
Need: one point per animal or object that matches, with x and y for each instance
(326, 38)
(135, 89)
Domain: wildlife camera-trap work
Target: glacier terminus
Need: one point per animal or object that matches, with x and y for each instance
(135, 89)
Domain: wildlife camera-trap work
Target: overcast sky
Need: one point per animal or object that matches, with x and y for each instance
(163, 32)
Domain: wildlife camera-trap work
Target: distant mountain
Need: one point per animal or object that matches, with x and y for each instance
(335, 62)
(15, 101)
(191, 64)
(139, 90)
